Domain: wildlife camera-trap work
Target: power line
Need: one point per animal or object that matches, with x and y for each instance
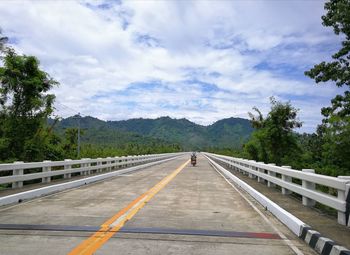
(78, 117)
(70, 109)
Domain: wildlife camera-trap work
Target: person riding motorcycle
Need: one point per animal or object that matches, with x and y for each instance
(193, 159)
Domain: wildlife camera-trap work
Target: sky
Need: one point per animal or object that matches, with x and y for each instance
(200, 60)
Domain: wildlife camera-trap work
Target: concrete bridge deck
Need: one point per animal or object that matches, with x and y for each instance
(193, 211)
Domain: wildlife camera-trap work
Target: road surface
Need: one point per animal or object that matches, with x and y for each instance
(170, 208)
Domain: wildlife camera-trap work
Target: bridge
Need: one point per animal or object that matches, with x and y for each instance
(160, 204)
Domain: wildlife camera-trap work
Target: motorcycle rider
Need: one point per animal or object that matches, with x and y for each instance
(193, 158)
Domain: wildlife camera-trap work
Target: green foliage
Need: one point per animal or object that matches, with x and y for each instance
(335, 139)
(70, 143)
(24, 107)
(226, 133)
(338, 17)
(274, 137)
(238, 153)
(100, 139)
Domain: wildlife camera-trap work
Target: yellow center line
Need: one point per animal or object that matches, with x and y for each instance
(117, 221)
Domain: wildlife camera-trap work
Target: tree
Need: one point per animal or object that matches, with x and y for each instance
(336, 123)
(274, 137)
(338, 70)
(3, 40)
(71, 141)
(25, 106)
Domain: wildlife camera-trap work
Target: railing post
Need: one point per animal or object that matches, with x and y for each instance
(240, 169)
(116, 160)
(113, 162)
(308, 185)
(251, 167)
(98, 163)
(46, 169)
(273, 174)
(232, 166)
(85, 172)
(65, 176)
(123, 161)
(286, 178)
(236, 167)
(127, 161)
(344, 195)
(17, 172)
(88, 165)
(260, 179)
(109, 162)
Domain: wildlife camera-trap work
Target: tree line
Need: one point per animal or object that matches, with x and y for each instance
(328, 149)
(25, 107)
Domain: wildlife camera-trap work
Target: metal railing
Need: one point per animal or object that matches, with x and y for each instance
(19, 172)
(300, 182)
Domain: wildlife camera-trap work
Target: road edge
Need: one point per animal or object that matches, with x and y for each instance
(320, 244)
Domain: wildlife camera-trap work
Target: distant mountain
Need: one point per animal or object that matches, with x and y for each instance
(182, 131)
(228, 133)
(99, 132)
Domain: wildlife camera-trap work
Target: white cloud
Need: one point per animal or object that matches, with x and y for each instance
(98, 50)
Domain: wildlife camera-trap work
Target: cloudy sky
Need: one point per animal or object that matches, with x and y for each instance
(201, 60)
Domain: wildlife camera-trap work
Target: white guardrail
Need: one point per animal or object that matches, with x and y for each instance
(15, 173)
(283, 176)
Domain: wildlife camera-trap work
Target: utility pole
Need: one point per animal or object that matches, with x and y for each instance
(78, 149)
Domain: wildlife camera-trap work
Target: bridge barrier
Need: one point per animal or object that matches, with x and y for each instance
(283, 177)
(50, 189)
(18, 172)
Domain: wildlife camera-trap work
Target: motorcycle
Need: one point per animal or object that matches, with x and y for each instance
(193, 160)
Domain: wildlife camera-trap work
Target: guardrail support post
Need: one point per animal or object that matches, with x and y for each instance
(240, 169)
(99, 163)
(308, 185)
(83, 172)
(236, 168)
(260, 179)
(344, 217)
(231, 165)
(116, 161)
(46, 169)
(271, 173)
(128, 161)
(109, 162)
(251, 167)
(286, 178)
(17, 172)
(88, 165)
(87, 172)
(65, 176)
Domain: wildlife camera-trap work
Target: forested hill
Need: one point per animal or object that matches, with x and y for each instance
(228, 133)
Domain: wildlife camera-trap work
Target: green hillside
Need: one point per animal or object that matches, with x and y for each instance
(228, 133)
(99, 132)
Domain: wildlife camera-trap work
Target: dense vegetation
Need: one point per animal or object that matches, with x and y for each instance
(328, 149)
(24, 106)
(230, 133)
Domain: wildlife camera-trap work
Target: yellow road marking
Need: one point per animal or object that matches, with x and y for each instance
(115, 223)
